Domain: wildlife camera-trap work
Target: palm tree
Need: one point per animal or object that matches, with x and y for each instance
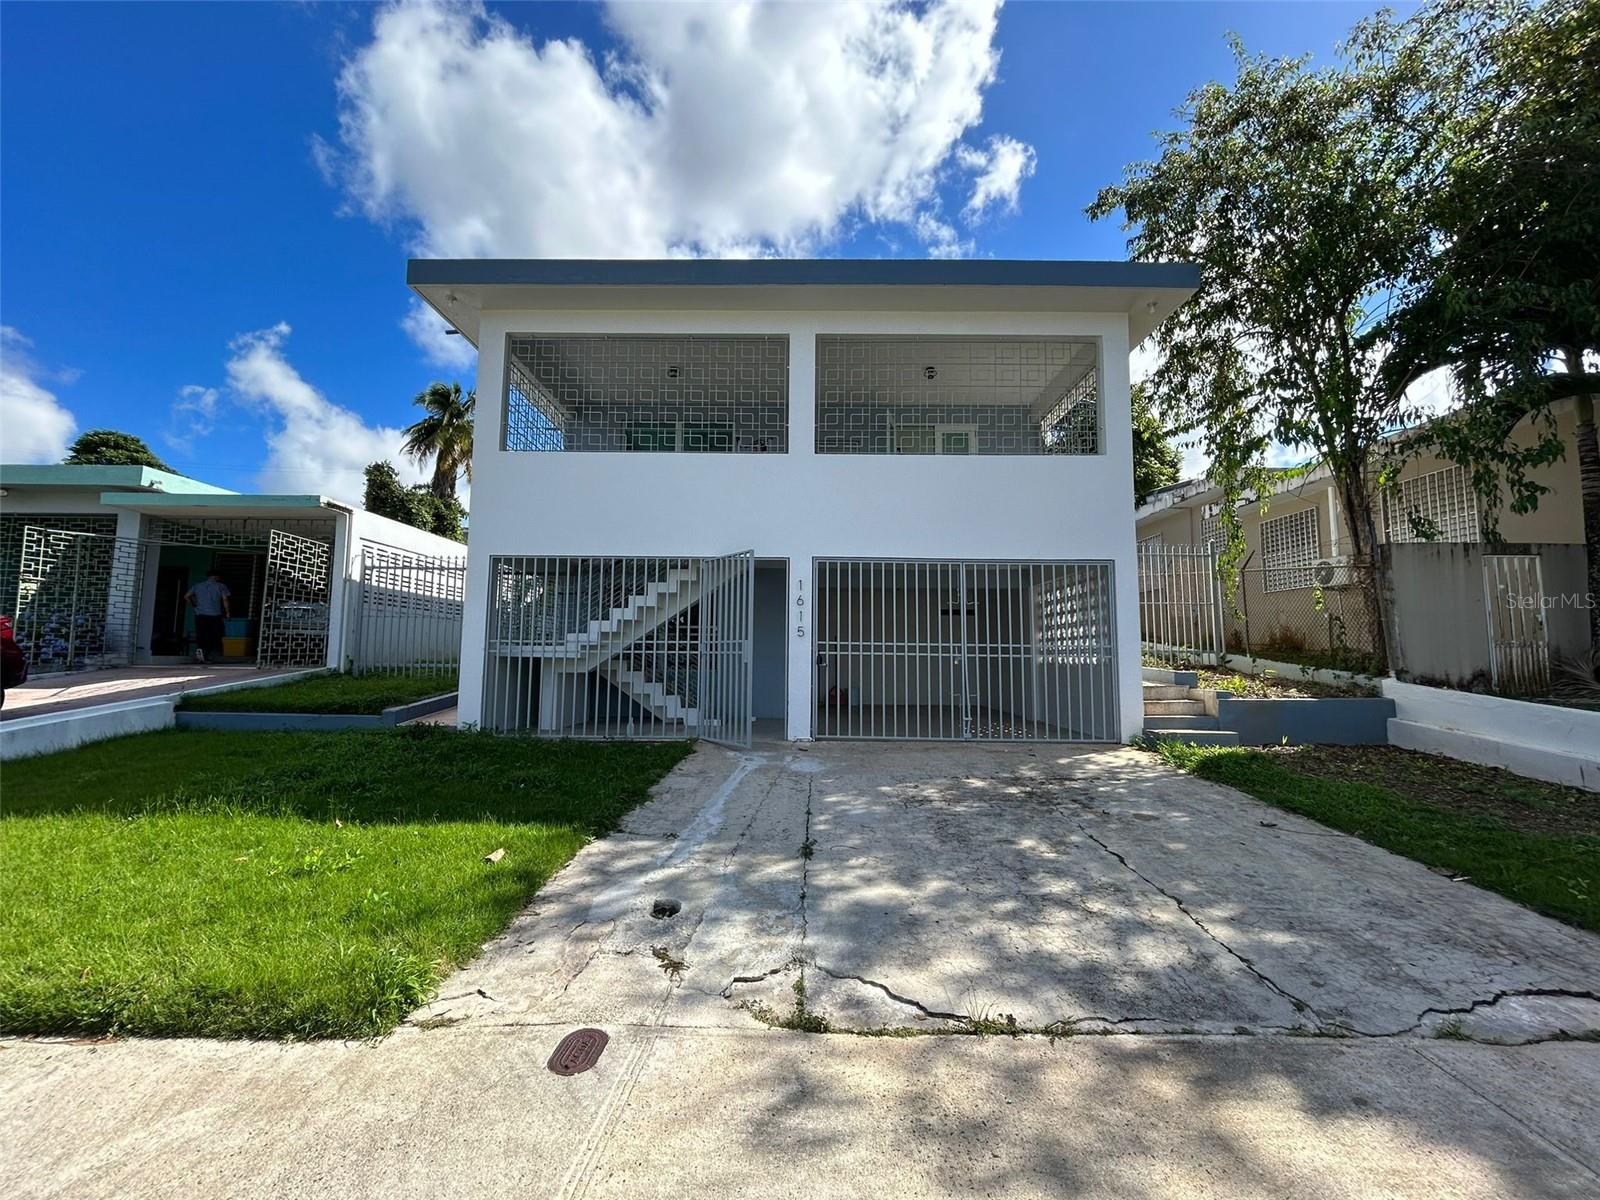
(444, 435)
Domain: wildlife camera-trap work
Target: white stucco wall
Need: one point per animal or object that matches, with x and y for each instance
(802, 505)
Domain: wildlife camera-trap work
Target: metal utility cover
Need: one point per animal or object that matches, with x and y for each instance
(578, 1051)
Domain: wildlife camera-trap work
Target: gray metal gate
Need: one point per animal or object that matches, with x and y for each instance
(955, 650)
(620, 647)
(77, 600)
(1180, 605)
(296, 602)
(408, 616)
(1519, 642)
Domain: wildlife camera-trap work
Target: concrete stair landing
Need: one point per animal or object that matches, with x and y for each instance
(1174, 712)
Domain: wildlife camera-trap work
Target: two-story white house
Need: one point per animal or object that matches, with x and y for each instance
(862, 499)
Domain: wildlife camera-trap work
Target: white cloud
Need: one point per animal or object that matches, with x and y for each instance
(194, 413)
(941, 239)
(1000, 169)
(35, 427)
(313, 444)
(427, 329)
(722, 129)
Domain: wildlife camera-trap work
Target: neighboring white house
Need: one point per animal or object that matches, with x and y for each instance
(95, 562)
(852, 499)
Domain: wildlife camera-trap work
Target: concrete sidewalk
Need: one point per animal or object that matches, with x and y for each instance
(464, 1112)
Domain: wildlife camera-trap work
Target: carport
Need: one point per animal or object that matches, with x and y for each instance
(965, 650)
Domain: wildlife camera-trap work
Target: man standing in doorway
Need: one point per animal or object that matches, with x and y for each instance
(211, 606)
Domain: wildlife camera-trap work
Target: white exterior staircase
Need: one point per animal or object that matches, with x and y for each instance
(601, 644)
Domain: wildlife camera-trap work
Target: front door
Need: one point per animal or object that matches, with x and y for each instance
(727, 608)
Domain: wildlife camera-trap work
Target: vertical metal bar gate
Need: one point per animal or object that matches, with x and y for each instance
(953, 650)
(620, 647)
(408, 617)
(1180, 604)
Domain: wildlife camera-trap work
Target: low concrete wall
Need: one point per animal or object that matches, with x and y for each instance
(1544, 741)
(267, 722)
(1440, 607)
(47, 733)
(1329, 721)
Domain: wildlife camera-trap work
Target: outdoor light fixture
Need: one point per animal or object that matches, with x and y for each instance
(930, 372)
(672, 372)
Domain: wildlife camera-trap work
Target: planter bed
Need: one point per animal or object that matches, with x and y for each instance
(280, 721)
(1329, 720)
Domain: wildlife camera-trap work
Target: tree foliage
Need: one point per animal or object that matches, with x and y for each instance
(1156, 461)
(112, 448)
(416, 505)
(444, 435)
(1508, 299)
(1425, 201)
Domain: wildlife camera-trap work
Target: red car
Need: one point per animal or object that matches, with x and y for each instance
(13, 662)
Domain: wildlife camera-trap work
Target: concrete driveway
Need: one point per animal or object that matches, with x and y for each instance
(1322, 1018)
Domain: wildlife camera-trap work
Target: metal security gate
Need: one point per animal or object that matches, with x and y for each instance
(955, 650)
(77, 600)
(1180, 605)
(620, 647)
(1519, 642)
(727, 610)
(296, 602)
(408, 618)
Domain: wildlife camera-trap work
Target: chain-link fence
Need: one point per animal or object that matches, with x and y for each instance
(1322, 616)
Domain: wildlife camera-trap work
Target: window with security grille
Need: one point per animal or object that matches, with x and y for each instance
(943, 395)
(1289, 550)
(1211, 530)
(11, 527)
(647, 394)
(1437, 507)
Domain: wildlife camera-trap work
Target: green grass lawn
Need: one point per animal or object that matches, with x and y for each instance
(326, 694)
(295, 885)
(1554, 869)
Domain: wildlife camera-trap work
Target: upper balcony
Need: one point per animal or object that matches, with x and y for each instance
(651, 394)
(958, 395)
(874, 395)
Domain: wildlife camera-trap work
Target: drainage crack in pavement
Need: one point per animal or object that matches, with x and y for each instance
(1490, 1002)
(1299, 1003)
(893, 995)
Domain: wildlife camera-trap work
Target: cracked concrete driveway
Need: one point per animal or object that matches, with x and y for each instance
(1293, 985)
(933, 888)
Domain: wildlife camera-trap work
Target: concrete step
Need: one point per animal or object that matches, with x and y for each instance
(1189, 722)
(1197, 737)
(1174, 708)
(1165, 691)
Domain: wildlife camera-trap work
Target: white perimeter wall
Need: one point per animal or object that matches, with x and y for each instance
(802, 505)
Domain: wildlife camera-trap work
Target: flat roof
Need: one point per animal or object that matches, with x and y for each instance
(460, 289)
(95, 477)
(201, 504)
(799, 272)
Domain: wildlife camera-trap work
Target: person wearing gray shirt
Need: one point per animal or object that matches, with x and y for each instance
(211, 608)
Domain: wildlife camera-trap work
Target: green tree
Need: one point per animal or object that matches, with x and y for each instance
(1156, 461)
(415, 505)
(1293, 188)
(444, 435)
(112, 448)
(1509, 299)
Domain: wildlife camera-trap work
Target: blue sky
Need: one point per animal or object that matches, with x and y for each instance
(205, 209)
